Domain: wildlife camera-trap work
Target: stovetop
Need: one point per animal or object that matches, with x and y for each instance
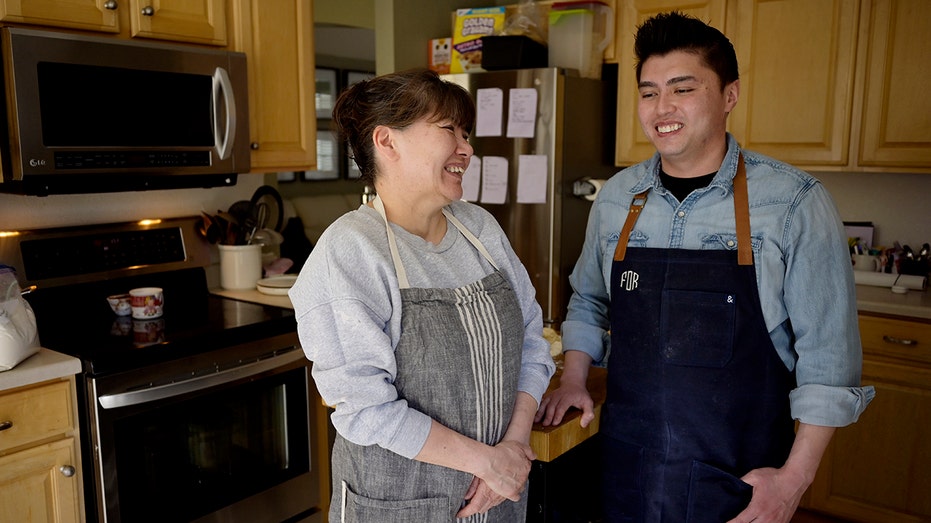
(75, 269)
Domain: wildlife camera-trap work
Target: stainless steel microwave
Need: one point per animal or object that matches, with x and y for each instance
(94, 114)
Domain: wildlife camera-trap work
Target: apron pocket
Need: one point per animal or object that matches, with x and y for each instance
(715, 495)
(697, 328)
(360, 509)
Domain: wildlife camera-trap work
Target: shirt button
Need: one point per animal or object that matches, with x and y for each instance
(730, 243)
(681, 214)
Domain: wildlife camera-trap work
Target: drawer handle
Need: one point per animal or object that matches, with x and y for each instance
(6, 425)
(899, 341)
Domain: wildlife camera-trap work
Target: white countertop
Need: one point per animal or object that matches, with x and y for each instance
(45, 365)
(255, 296)
(913, 304)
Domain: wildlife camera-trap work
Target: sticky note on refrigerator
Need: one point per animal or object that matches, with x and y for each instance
(532, 178)
(494, 179)
(471, 180)
(489, 105)
(522, 112)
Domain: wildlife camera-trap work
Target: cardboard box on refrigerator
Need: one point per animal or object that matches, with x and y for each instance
(440, 54)
(468, 29)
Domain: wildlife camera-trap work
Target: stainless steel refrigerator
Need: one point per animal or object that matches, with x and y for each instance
(573, 140)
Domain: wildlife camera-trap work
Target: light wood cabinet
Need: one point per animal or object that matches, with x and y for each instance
(796, 61)
(832, 85)
(277, 36)
(40, 465)
(896, 113)
(632, 145)
(876, 470)
(201, 22)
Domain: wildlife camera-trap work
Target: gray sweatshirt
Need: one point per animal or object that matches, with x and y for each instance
(348, 308)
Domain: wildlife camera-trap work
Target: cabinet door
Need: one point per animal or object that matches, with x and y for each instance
(876, 470)
(93, 15)
(38, 486)
(632, 144)
(277, 36)
(201, 21)
(896, 111)
(796, 61)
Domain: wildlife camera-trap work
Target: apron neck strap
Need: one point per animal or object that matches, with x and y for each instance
(403, 282)
(741, 215)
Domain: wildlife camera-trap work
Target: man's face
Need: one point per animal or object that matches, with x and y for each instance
(683, 110)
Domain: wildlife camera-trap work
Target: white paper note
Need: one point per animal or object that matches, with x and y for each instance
(522, 112)
(471, 180)
(531, 178)
(494, 179)
(489, 104)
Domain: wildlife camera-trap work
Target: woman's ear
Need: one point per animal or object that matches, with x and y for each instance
(383, 138)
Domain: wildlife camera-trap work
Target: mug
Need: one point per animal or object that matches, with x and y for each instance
(121, 304)
(147, 302)
(866, 262)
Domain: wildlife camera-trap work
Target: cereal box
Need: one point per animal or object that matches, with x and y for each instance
(440, 54)
(470, 26)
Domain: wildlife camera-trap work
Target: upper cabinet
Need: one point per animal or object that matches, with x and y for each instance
(824, 84)
(896, 113)
(796, 60)
(201, 22)
(277, 36)
(632, 144)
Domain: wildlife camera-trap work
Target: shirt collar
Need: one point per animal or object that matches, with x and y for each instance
(724, 179)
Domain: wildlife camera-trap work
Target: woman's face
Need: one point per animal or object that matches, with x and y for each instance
(433, 158)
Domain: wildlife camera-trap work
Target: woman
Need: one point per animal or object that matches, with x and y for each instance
(421, 322)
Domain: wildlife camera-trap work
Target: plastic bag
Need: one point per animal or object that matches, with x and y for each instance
(18, 333)
(527, 19)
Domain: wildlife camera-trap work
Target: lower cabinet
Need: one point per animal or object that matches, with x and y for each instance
(568, 488)
(876, 470)
(40, 475)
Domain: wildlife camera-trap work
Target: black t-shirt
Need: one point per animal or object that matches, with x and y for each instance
(682, 187)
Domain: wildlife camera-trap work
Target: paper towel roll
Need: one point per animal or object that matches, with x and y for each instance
(597, 184)
(881, 279)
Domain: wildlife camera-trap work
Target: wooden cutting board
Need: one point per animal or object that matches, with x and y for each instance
(551, 442)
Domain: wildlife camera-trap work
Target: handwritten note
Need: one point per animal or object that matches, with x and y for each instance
(489, 105)
(494, 179)
(532, 178)
(522, 112)
(471, 180)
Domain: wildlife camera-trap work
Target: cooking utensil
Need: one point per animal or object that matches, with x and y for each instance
(268, 195)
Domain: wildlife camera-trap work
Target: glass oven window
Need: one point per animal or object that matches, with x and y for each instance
(181, 460)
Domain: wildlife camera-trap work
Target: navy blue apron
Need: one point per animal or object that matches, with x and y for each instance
(697, 395)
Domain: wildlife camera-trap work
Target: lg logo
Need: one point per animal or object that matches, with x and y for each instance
(36, 163)
(629, 280)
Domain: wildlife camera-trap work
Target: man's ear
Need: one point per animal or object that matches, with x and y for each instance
(383, 138)
(731, 93)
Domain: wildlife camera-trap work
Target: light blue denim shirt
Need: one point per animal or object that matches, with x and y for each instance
(801, 259)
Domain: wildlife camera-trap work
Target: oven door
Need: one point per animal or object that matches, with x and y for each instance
(229, 441)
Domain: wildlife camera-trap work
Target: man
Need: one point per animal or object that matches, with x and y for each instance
(724, 280)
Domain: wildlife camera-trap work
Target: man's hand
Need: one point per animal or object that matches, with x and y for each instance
(776, 494)
(554, 405)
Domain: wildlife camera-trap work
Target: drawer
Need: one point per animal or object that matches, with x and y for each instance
(35, 414)
(902, 339)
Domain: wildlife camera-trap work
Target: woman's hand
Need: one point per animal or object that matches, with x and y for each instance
(479, 498)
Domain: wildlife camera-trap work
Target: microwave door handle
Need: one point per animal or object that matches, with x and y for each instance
(221, 83)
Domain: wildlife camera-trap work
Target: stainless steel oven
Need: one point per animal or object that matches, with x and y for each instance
(206, 414)
(204, 438)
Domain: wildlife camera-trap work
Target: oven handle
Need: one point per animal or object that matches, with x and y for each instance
(160, 392)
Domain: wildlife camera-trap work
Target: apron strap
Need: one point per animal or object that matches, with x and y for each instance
(393, 243)
(741, 216)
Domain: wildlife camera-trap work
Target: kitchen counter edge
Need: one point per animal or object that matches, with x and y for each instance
(44, 365)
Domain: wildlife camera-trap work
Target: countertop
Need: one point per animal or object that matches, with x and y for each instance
(45, 365)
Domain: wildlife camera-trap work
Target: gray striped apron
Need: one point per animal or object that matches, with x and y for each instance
(458, 361)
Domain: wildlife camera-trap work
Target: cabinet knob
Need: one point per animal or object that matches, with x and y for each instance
(899, 341)
(6, 425)
(110, 5)
(254, 146)
(148, 11)
(66, 470)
